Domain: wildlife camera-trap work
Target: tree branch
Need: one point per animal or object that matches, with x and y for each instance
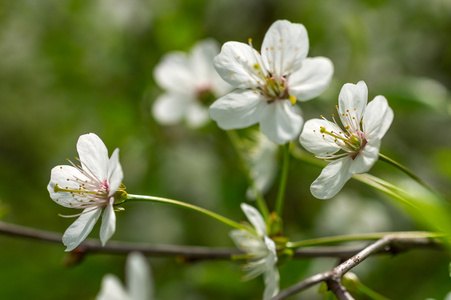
(196, 253)
(389, 244)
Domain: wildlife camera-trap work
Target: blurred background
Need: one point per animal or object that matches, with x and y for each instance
(73, 67)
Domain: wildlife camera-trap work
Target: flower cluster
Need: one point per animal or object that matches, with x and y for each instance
(268, 84)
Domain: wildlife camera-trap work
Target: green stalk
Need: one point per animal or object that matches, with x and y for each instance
(362, 237)
(363, 289)
(260, 201)
(283, 179)
(197, 209)
(403, 169)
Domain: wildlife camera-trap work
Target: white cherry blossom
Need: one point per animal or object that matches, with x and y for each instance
(191, 84)
(90, 187)
(261, 252)
(352, 150)
(138, 280)
(269, 83)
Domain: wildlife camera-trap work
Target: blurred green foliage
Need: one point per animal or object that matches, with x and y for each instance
(73, 67)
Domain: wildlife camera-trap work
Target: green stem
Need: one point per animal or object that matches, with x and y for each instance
(200, 210)
(385, 187)
(260, 201)
(403, 169)
(369, 292)
(283, 179)
(362, 237)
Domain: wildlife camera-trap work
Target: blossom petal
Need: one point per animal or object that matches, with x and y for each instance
(352, 102)
(115, 174)
(169, 109)
(311, 79)
(271, 274)
(202, 55)
(93, 155)
(284, 47)
(79, 230)
(108, 223)
(279, 122)
(238, 109)
(315, 142)
(236, 64)
(59, 176)
(256, 219)
(332, 179)
(366, 158)
(197, 115)
(250, 243)
(138, 277)
(378, 118)
(174, 73)
(112, 289)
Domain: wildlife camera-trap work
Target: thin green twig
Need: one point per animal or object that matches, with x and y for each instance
(363, 237)
(188, 206)
(283, 180)
(238, 147)
(405, 170)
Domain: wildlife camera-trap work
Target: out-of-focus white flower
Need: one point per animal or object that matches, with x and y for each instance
(270, 83)
(191, 84)
(138, 280)
(261, 251)
(364, 127)
(91, 187)
(262, 162)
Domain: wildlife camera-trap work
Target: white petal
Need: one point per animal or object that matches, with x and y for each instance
(378, 118)
(202, 55)
(366, 158)
(59, 175)
(271, 275)
(93, 155)
(249, 243)
(236, 65)
(112, 289)
(115, 174)
(311, 79)
(256, 219)
(352, 101)
(316, 142)
(284, 47)
(175, 74)
(108, 223)
(169, 109)
(79, 230)
(138, 277)
(279, 122)
(332, 179)
(238, 109)
(197, 115)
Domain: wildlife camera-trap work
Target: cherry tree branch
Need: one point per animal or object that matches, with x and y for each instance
(389, 244)
(191, 253)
